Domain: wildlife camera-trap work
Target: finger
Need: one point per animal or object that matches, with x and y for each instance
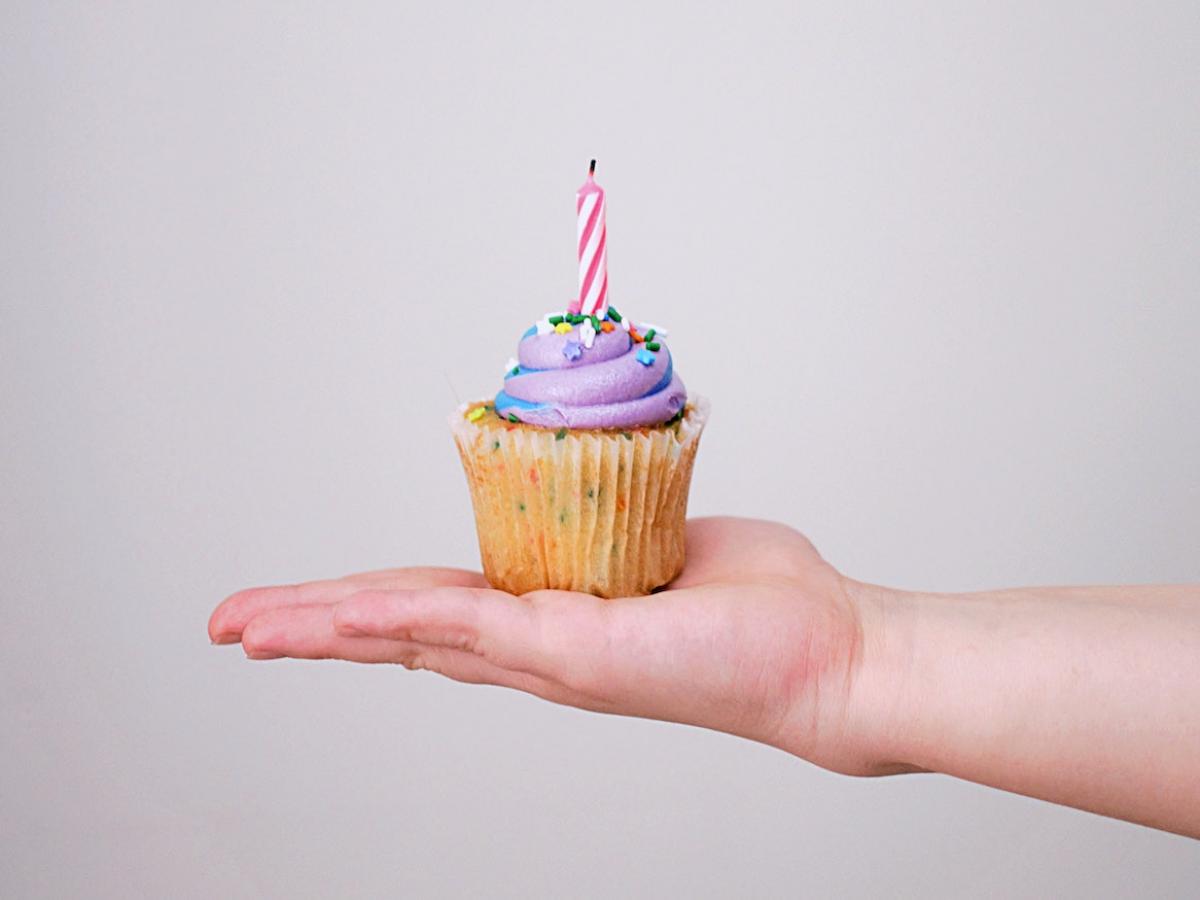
(230, 617)
(227, 621)
(555, 635)
(307, 632)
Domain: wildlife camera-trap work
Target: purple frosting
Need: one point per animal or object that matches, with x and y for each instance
(615, 383)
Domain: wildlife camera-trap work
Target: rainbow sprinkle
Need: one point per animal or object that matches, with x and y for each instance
(476, 414)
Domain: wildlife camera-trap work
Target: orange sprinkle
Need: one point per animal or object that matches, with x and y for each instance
(637, 337)
(606, 326)
(621, 503)
(533, 476)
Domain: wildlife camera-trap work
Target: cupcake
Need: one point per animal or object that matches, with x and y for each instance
(579, 468)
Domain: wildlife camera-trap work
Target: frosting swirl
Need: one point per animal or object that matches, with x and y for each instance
(574, 376)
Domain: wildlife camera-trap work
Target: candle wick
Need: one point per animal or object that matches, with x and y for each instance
(592, 168)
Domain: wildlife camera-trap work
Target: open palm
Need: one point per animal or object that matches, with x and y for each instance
(758, 636)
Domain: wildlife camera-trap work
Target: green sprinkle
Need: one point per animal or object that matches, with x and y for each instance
(653, 346)
(591, 493)
(495, 446)
(554, 320)
(627, 435)
(515, 370)
(575, 318)
(595, 323)
(560, 434)
(650, 335)
(613, 314)
(512, 417)
(562, 516)
(521, 507)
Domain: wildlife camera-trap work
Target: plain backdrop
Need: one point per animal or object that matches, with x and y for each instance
(934, 264)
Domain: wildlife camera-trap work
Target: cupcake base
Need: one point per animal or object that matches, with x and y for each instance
(596, 511)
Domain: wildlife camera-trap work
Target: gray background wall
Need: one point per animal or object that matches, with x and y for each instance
(935, 266)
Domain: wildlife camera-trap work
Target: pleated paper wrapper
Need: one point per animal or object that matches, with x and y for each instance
(595, 511)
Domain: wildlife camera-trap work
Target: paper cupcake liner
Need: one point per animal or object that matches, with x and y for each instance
(595, 511)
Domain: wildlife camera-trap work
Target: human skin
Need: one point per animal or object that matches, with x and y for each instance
(1085, 696)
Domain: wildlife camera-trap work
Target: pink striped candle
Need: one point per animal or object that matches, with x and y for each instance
(593, 256)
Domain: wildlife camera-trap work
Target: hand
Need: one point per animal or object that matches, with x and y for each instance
(1083, 696)
(758, 636)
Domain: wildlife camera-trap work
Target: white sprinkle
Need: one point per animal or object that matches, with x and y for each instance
(512, 364)
(588, 333)
(625, 324)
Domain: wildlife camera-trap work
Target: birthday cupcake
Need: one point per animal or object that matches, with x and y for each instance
(579, 468)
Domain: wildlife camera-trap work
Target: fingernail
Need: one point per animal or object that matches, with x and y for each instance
(224, 639)
(262, 654)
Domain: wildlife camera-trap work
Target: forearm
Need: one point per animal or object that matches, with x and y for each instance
(1088, 697)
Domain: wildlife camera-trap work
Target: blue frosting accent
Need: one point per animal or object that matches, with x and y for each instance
(504, 401)
(665, 380)
(530, 333)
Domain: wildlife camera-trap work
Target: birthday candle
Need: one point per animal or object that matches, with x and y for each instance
(593, 257)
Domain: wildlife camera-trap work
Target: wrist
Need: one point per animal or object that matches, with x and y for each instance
(878, 726)
(1079, 696)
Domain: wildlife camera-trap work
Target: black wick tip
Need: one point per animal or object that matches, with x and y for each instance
(592, 168)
